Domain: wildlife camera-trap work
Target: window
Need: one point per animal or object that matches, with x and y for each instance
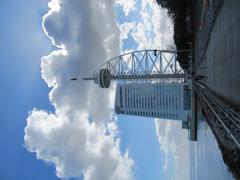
(121, 105)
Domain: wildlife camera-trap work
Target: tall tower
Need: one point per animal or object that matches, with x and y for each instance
(154, 85)
(157, 100)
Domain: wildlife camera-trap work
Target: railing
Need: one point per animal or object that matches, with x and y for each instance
(210, 9)
(224, 121)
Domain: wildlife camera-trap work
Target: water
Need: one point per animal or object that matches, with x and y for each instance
(205, 157)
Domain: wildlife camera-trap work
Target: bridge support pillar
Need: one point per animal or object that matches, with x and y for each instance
(193, 120)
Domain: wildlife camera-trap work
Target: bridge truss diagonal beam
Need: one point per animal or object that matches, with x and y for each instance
(144, 64)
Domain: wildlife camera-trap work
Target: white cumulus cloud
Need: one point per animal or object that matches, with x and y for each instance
(154, 30)
(125, 29)
(174, 143)
(80, 137)
(127, 5)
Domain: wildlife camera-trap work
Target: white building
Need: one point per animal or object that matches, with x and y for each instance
(158, 100)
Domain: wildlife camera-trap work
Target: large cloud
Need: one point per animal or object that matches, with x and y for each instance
(175, 145)
(80, 137)
(154, 29)
(127, 5)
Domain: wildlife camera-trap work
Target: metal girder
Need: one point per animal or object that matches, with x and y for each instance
(144, 64)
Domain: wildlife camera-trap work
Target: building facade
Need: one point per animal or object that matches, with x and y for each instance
(157, 100)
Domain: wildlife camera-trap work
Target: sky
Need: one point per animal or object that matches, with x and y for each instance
(52, 128)
(22, 43)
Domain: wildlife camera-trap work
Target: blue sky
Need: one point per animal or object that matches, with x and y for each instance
(22, 44)
(22, 88)
(138, 135)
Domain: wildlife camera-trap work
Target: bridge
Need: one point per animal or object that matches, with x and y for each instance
(140, 65)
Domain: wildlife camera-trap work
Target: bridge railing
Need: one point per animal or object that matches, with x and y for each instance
(210, 9)
(225, 122)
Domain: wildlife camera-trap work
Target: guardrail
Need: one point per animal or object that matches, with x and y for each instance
(224, 121)
(210, 9)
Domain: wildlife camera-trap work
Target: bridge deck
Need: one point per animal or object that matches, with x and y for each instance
(222, 55)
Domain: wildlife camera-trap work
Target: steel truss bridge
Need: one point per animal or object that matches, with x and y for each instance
(139, 65)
